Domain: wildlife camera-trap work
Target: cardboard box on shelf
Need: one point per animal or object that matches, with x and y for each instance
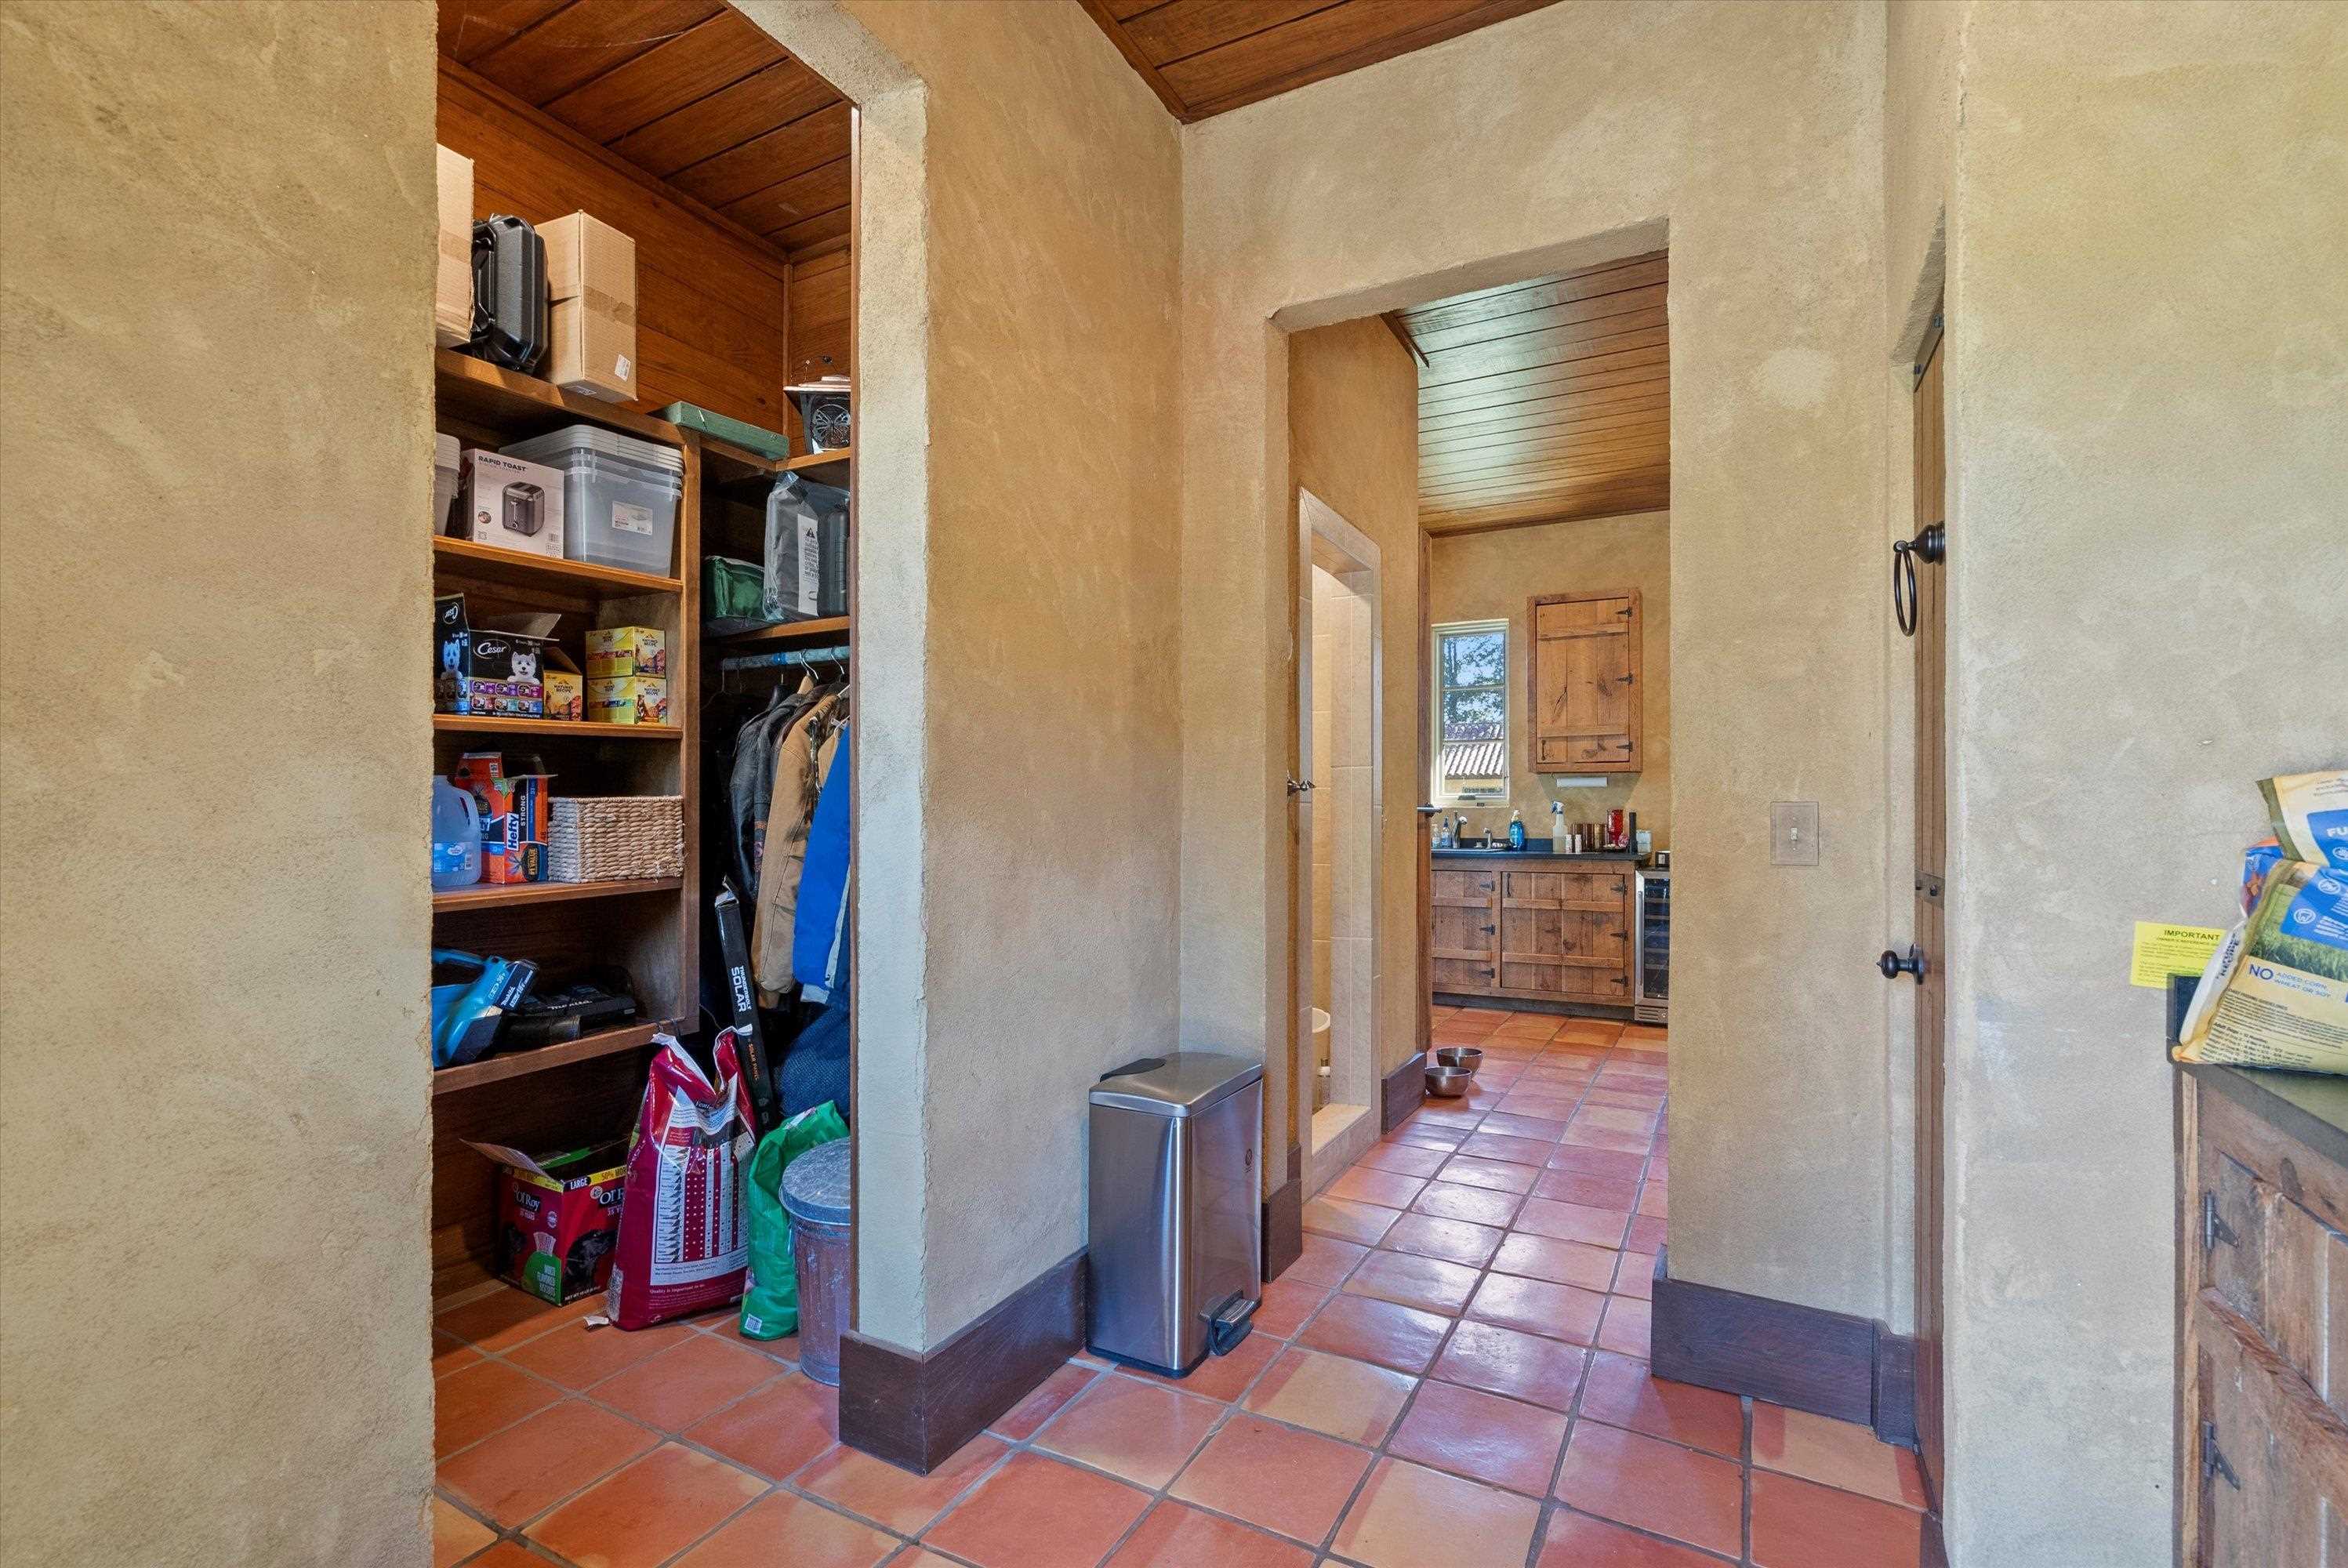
(452, 287)
(566, 694)
(514, 811)
(627, 699)
(614, 651)
(590, 285)
(511, 504)
(559, 1216)
(501, 669)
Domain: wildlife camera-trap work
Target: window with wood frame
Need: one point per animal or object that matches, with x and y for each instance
(1471, 712)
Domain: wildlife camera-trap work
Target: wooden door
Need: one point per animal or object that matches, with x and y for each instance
(1463, 935)
(1930, 901)
(1584, 672)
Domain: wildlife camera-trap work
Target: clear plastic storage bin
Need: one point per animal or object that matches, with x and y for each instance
(619, 495)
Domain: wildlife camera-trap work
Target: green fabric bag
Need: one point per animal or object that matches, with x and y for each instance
(770, 1297)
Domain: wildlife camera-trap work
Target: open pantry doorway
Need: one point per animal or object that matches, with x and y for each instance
(740, 186)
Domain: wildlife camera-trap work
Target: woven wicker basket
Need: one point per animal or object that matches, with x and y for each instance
(615, 837)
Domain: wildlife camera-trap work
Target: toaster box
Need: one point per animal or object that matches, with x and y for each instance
(627, 651)
(512, 504)
(559, 1216)
(627, 699)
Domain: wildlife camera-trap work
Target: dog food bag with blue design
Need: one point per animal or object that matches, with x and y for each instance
(2275, 993)
(2310, 812)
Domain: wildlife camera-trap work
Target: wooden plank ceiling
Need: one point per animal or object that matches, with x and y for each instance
(1204, 56)
(1545, 399)
(690, 92)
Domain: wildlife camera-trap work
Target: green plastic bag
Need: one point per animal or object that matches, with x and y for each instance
(770, 1297)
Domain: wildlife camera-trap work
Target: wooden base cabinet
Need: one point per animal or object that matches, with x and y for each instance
(1534, 929)
(2262, 1319)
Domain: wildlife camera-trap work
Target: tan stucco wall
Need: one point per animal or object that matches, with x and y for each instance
(1051, 740)
(216, 239)
(1748, 138)
(1353, 433)
(1492, 576)
(2149, 442)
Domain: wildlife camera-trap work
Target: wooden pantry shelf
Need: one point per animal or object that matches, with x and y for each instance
(828, 468)
(513, 569)
(506, 896)
(729, 464)
(497, 1069)
(577, 729)
(479, 393)
(790, 634)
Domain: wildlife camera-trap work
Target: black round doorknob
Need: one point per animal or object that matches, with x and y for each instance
(1893, 966)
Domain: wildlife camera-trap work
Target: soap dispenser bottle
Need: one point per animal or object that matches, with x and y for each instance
(1516, 829)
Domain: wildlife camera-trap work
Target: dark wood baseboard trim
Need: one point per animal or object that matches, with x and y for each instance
(1403, 1091)
(1804, 1357)
(1894, 1388)
(1283, 1220)
(1535, 1004)
(915, 1409)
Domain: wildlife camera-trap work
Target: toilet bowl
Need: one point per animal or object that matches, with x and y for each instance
(1321, 1057)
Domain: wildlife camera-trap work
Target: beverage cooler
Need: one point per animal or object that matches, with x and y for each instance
(1650, 979)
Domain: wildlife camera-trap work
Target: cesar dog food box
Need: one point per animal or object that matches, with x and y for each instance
(511, 667)
(559, 1216)
(514, 811)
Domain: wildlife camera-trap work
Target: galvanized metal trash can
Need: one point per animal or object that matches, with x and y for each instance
(1175, 1253)
(815, 1195)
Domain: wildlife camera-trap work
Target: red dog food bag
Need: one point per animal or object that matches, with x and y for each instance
(685, 1241)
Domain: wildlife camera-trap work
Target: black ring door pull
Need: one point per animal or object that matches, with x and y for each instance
(1893, 966)
(1932, 546)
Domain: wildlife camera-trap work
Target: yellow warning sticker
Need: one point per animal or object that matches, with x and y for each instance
(2162, 950)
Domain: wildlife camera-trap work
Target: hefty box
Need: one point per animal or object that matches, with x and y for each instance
(631, 699)
(514, 811)
(617, 651)
(559, 1216)
(511, 504)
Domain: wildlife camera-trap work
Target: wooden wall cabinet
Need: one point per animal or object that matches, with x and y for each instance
(1533, 929)
(1584, 677)
(2262, 1319)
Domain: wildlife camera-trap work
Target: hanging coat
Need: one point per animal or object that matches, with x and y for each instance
(801, 761)
(817, 943)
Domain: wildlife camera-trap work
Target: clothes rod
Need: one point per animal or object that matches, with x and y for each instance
(789, 658)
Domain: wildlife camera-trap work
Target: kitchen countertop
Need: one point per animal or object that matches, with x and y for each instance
(1536, 850)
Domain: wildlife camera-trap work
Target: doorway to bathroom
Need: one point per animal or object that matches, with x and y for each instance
(1338, 706)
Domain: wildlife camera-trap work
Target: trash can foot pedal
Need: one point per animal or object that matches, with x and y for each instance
(1229, 1321)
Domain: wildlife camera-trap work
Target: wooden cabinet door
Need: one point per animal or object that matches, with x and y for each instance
(1586, 698)
(1566, 933)
(1464, 941)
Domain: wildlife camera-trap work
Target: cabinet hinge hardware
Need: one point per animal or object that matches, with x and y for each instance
(2213, 1458)
(2213, 1228)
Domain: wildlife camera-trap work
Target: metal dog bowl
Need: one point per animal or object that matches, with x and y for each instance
(1468, 1058)
(1447, 1083)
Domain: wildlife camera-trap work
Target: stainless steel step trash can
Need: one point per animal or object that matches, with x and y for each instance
(1175, 1253)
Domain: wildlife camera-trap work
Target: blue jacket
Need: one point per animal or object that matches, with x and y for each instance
(818, 946)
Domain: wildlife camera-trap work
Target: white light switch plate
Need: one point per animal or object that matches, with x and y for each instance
(1793, 833)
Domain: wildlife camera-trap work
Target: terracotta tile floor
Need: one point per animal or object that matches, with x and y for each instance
(1454, 1374)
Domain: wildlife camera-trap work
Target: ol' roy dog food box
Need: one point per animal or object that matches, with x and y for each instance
(620, 651)
(511, 504)
(632, 700)
(559, 1217)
